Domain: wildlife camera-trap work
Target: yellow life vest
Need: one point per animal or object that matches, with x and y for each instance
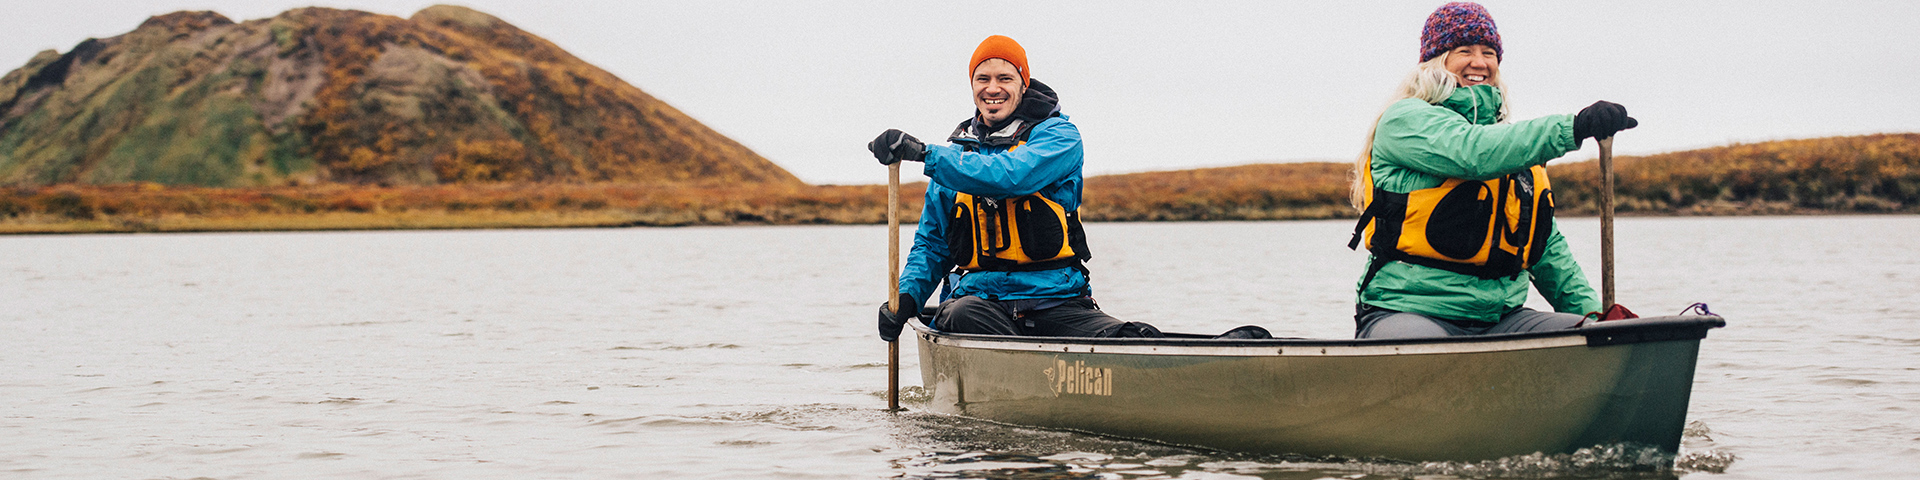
(1488, 229)
(1024, 233)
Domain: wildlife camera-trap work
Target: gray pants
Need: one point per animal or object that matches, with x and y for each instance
(1375, 322)
(1076, 317)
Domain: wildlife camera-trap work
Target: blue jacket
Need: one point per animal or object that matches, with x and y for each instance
(1049, 163)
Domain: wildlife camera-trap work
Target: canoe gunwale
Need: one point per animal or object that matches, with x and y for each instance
(1617, 332)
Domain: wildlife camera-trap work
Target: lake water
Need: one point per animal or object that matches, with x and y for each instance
(748, 352)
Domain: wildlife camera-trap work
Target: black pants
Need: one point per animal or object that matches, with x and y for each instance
(1077, 317)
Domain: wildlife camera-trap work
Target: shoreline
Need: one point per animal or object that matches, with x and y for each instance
(498, 220)
(1871, 174)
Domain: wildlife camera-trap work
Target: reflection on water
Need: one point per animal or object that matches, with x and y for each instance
(964, 448)
(749, 352)
(957, 447)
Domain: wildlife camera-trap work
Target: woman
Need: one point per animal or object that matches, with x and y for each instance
(1457, 209)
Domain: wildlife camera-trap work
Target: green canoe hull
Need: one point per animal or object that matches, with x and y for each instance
(1461, 398)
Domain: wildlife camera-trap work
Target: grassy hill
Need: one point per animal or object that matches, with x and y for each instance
(316, 96)
(337, 119)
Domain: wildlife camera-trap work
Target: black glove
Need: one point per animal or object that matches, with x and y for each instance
(894, 145)
(1601, 120)
(891, 323)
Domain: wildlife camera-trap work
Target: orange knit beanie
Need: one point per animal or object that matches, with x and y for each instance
(1005, 49)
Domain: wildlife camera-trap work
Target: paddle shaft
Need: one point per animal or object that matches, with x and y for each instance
(893, 282)
(1606, 224)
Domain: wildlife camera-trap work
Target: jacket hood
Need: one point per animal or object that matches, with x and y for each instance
(1479, 103)
(1037, 104)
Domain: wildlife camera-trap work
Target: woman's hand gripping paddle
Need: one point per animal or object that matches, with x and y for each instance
(1606, 224)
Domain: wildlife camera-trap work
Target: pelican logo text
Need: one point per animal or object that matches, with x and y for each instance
(1078, 379)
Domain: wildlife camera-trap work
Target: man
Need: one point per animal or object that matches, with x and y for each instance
(1001, 214)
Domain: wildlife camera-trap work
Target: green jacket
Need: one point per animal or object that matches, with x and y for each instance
(1418, 145)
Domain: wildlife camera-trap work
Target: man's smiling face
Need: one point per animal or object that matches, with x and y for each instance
(996, 90)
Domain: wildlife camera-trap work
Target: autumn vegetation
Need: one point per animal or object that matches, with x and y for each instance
(317, 95)
(1275, 191)
(1854, 174)
(149, 207)
(1859, 174)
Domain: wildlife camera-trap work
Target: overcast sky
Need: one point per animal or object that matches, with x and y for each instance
(1174, 85)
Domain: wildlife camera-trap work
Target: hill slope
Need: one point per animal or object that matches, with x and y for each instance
(321, 95)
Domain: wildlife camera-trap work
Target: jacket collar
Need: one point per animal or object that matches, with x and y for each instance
(1479, 103)
(1036, 105)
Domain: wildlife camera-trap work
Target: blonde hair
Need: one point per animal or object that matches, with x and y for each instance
(1430, 82)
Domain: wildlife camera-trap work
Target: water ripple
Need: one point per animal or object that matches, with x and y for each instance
(473, 354)
(676, 347)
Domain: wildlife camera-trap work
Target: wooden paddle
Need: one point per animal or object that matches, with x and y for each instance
(893, 282)
(1606, 225)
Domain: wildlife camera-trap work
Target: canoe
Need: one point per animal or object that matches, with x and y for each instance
(1454, 398)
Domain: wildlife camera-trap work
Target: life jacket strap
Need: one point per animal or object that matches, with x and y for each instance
(999, 265)
(1360, 229)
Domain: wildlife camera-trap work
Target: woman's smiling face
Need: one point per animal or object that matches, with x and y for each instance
(1474, 64)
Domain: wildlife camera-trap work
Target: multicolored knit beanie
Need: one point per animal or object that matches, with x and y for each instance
(1456, 24)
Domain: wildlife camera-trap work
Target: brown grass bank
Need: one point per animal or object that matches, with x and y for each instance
(1859, 174)
(147, 207)
(1855, 174)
